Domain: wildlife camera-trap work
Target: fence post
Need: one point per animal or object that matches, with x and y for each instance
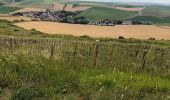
(11, 44)
(75, 51)
(96, 53)
(52, 51)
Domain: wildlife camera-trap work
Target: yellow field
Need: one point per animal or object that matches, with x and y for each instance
(30, 9)
(13, 18)
(127, 31)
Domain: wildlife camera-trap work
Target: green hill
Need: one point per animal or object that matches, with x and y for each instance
(33, 67)
(7, 9)
(99, 13)
(158, 11)
(155, 20)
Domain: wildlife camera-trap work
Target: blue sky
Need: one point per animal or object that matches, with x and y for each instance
(151, 1)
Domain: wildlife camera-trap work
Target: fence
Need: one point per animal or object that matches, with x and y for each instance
(126, 56)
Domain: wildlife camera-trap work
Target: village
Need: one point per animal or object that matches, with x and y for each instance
(64, 16)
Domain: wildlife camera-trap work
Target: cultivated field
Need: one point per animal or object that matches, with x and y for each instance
(102, 13)
(7, 9)
(129, 9)
(30, 9)
(15, 18)
(127, 31)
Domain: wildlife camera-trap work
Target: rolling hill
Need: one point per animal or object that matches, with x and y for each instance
(99, 13)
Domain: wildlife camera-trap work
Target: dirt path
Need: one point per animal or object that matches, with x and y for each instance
(127, 31)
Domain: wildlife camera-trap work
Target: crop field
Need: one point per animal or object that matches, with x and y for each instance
(56, 69)
(127, 31)
(129, 8)
(15, 18)
(59, 6)
(100, 13)
(6, 9)
(156, 20)
(159, 11)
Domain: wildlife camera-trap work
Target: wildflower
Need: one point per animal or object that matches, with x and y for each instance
(122, 96)
(97, 40)
(126, 88)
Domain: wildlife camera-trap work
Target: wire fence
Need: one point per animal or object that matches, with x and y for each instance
(126, 56)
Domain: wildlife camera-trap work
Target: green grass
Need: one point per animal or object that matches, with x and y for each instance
(100, 13)
(7, 9)
(155, 20)
(35, 77)
(157, 11)
(28, 73)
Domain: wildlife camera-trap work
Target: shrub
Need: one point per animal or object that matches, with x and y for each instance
(121, 37)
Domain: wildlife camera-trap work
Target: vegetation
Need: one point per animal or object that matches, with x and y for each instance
(7, 9)
(101, 13)
(28, 77)
(157, 11)
(155, 20)
(67, 67)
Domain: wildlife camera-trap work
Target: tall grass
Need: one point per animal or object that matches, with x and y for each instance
(32, 69)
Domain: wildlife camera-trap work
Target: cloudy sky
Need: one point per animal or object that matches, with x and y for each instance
(151, 1)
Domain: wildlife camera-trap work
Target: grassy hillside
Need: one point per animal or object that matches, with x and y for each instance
(155, 20)
(7, 9)
(36, 3)
(35, 77)
(159, 11)
(99, 13)
(46, 67)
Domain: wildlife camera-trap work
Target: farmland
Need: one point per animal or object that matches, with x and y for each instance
(127, 31)
(41, 60)
(7, 9)
(155, 20)
(99, 13)
(159, 11)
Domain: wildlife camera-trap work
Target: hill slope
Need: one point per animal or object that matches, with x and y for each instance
(99, 13)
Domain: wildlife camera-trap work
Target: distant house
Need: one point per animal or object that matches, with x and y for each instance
(127, 23)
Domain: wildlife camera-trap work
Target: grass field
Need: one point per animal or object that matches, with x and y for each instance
(35, 66)
(155, 20)
(7, 9)
(100, 13)
(159, 11)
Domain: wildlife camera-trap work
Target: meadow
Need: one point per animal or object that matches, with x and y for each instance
(159, 11)
(34, 65)
(101, 13)
(155, 20)
(7, 9)
(38, 68)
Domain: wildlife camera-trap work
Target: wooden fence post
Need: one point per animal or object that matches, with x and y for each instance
(11, 44)
(75, 51)
(96, 53)
(52, 51)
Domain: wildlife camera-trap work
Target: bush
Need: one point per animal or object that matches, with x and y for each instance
(151, 38)
(121, 37)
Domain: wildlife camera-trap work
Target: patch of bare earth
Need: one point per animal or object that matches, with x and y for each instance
(127, 31)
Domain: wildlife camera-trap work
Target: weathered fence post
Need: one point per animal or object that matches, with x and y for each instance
(11, 44)
(96, 53)
(75, 51)
(52, 51)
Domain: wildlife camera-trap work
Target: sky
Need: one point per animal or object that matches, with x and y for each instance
(150, 1)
